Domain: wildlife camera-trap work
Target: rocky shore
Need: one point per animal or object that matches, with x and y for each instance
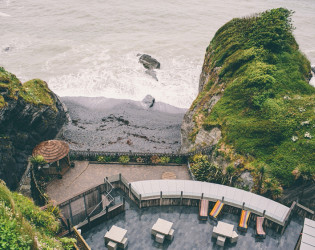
(103, 124)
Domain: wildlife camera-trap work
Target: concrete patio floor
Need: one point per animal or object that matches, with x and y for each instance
(190, 233)
(84, 176)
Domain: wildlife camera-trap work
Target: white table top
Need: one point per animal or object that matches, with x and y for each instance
(116, 234)
(224, 229)
(162, 226)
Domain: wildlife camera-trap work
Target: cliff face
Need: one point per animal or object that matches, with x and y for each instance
(194, 136)
(29, 113)
(255, 104)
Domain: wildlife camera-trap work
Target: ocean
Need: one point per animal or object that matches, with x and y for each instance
(89, 48)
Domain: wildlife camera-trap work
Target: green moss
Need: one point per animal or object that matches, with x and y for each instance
(21, 222)
(34, 91)
(267, 94)
(9, 82)
(2, 102)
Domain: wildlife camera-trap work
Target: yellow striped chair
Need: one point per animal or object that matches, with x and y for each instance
(242, 226)
(216, 209)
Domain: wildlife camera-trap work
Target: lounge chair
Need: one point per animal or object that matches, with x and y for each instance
(242, 225)
(203, 209)
(216, 210)
(259, 227)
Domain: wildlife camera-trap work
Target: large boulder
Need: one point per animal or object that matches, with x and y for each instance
(149, 62)
(29, 114)
(148, 101)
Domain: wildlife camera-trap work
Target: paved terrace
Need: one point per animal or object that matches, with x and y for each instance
(190, 233)
(274, 211)
(85, 176)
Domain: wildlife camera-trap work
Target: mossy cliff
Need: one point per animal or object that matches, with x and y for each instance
(29, 113)
(25, 226)
(255, 104)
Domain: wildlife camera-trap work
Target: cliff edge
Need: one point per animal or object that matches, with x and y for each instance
(29, 113)
(255, 104)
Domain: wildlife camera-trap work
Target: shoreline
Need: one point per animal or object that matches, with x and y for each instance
(121, 125)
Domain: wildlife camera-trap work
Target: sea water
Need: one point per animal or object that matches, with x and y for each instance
(89, 48)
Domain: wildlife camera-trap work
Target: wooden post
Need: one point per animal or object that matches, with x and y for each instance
(70, 211)
(243, 205)
(222, 198)
(264, 213)
(181, 197)
(161, 198)
(140, 200)
(106, 181)
(86, 214)
(129, 191)
(69, 226)
(201, 196)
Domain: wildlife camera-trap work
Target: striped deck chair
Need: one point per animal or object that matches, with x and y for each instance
(259, 227)
(203, 209)
(216, 209)
(242, 226)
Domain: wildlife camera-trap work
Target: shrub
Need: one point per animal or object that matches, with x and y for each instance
(67, 243)
(164, 159)
(38, 161)
(155, 159)
(140, 160)
(101, 158)
(124, 159)
(104, 158)
(179, 160)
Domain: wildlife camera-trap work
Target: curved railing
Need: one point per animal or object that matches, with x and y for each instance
(235, 197)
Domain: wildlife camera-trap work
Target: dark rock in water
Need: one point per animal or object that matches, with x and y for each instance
(148, 101)
(152, 73)
(313, 69)
(7, 49)
(149, 62)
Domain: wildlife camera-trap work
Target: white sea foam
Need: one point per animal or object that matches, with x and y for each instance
(89, 49)
(4, 14)
(124, 78)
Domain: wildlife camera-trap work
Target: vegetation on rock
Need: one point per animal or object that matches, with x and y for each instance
(266, 110)
(34, 91)
(25, 226)
(29, 113)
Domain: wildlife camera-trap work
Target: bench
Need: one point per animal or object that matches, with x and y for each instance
(259, 227)
(203, 209)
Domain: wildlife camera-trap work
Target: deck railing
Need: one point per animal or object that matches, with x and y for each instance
(178, 158)
(88, 204)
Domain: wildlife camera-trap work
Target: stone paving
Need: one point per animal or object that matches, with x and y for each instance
(190, 233)
(84, 176)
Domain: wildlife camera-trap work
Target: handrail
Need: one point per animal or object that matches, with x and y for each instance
(81, 239)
